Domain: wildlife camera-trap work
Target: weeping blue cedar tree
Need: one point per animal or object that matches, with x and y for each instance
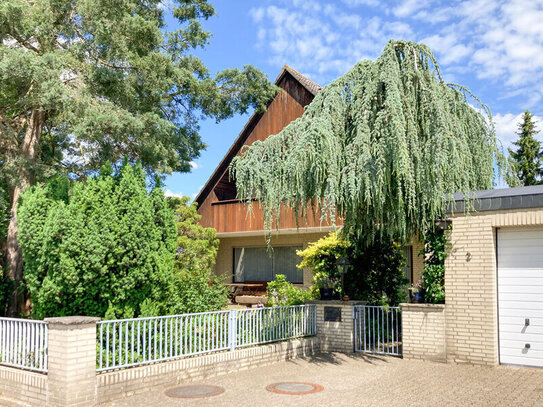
(382, 147)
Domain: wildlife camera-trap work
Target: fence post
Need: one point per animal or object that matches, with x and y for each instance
(72, 361)
(232, 329)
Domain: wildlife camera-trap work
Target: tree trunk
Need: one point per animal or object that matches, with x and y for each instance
(13, 250)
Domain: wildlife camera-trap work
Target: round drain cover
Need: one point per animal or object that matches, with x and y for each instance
(194, 391)
(294, 388)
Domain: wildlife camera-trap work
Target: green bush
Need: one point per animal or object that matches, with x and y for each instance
(109, 247)
(433, 277)
(198, 288)
(281, 292)
(375, 274)
(321, 256)
(104, 244)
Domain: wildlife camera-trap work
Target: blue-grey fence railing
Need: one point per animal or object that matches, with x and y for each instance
(23, 344)
(131, 342)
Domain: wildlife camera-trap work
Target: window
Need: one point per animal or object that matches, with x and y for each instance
(259, 264)
(407, 252)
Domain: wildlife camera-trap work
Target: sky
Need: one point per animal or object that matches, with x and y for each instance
(495, 48)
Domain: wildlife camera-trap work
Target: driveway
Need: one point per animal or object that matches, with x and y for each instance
(357, 380)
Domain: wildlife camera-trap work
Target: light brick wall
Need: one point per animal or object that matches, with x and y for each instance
(418, 260)
(118, 384)
(72, 361)
(423, 331)
(470, 283)
(336, 336)
(20, 386)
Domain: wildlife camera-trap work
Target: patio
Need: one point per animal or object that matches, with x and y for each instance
(353, 380)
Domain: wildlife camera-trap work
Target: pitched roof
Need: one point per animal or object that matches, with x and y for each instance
(307, 83)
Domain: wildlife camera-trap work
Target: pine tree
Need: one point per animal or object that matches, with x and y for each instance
(88, 81)
(528, 157)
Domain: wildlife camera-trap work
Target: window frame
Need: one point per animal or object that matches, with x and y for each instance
(298, 246)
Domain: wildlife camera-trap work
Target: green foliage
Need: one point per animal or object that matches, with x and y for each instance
(198, 288)
(375, 274)
(105, 248)
(112, 81)
(86, 82)
(197, 246)
(5, 283)
(281, 292)
(433, 277)
(321, 257)
(382, 147)
(528, 157)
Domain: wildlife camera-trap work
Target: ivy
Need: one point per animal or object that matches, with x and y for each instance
(433, 277)
(383, 147)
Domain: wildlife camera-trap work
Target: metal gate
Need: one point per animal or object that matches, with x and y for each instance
(377, 329)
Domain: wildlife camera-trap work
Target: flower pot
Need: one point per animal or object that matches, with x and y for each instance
(418, 297)
(326, 293)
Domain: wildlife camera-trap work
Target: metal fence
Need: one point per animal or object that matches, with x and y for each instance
(23, 344)
(132, 342)
(378, 329)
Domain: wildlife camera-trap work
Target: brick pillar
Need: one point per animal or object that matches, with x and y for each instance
(423, 331)
(72, 361)
(335, 325)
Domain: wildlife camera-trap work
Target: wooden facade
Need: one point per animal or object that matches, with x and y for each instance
(216, 201)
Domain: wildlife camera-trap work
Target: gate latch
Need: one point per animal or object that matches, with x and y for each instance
(527, 322)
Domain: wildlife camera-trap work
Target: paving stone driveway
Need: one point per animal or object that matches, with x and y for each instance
(368, 381)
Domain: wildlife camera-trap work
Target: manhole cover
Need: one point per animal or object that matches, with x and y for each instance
(294, 388)
(194, 391)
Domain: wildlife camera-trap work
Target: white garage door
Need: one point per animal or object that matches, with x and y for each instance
(520, 296)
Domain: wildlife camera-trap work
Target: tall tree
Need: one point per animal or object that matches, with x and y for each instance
(383, 147)
(528, 157)
(83, 82)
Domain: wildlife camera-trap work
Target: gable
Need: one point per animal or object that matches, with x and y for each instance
(296, 92)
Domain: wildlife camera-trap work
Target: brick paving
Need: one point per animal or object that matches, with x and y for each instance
(361, 380)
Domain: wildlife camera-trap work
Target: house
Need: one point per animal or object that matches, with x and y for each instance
(494, 272)
(243, 255)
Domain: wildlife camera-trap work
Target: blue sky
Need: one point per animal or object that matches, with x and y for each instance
(493, 47)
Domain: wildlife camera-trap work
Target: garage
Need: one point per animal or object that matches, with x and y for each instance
(520, 295)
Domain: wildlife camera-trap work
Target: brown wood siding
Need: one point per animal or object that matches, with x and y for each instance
(234, 217)
(287, 106)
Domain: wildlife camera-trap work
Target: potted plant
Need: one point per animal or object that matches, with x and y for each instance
(418, 292)
(326, 288)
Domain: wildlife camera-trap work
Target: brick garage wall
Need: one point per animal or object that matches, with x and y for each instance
(423, 331)
(122, 383)
(470, 283)
(20, 386)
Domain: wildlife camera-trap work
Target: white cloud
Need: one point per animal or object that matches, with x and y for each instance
(356, 3)
(498, 41)
(194, 165)
(408, 7)
(170, 193)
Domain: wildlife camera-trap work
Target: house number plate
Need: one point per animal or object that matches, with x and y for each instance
(332, 314)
